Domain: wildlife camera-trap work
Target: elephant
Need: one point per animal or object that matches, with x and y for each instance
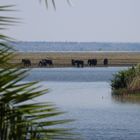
(92, 62)
(78, 63)
(73, 62)
(105, 61)
(26, 62)
(45, 62)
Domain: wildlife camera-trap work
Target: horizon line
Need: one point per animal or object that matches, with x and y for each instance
(117, 42)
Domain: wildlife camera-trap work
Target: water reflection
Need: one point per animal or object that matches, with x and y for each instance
(134, 99)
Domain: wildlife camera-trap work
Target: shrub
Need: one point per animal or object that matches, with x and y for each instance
(123, 78)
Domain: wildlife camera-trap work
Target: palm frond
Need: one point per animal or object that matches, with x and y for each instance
(53, 3)
(21, 117)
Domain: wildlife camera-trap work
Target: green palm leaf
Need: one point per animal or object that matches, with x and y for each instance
(21, 117)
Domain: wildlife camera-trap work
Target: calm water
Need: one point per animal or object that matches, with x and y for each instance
(74, 74)
(86, 95)
(75, 46)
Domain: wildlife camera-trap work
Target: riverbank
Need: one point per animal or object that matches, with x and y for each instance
(63, 59)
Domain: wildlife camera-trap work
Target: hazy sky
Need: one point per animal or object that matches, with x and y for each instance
(86, 20)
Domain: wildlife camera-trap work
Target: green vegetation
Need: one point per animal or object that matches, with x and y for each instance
(127, 81)
(21, 117)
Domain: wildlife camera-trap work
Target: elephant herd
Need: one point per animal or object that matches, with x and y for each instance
(75, 63)
(42, 63)
(90, 62)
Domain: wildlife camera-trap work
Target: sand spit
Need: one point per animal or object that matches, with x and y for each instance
(63, 59)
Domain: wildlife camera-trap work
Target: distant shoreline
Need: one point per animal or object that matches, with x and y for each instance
(78, 51)
(68, 46)
(63, 59)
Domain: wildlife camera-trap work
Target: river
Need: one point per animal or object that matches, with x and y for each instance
(85, 94)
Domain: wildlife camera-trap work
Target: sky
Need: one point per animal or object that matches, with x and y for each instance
(84, 21)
